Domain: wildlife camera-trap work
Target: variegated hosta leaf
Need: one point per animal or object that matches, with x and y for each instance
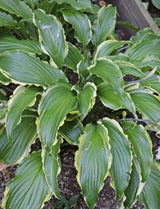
(23, 136)
(104, 24)
(92, 161)
(82, 67)
(150, 193)
(57, 102)
(80, 23)
(156, 3)
(145, 34)
(129, 69)
(153, 84)
(147, 104)
(10, 43)
(142, 146)
(31, 71)
(121, 157)
(78, 5)
(16, 7)
(133, 186)
(7, 20)
(87, 98)
(107, 47)
(71, 131)
(4, 79)
(51, 166)
(113, 99)
(74, 56)
(22, 97)
(140, 50)
(108, 71)
(51, 36)
(29, 188)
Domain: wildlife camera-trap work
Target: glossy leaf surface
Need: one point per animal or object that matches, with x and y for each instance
(104, 24)
(92, 161)
(7, 20)
(57, 102)
(132, 189)
(128, 68)
(51, 36)
(142, 146)
(113, 99)
(22, 97)
(23, 136)
(107, 47)
(16, 7)
(80, 23)
(121, 157)
(87, 98)
(29, 188)
(108, 71)
(145, 48)
(4, 79)
(71, 131)
(10, 43)
(31, 71)
(150, 194)
(51, 166)
(73, 57)
(144, 102)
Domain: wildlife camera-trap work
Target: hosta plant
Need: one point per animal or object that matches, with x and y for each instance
(103, 112)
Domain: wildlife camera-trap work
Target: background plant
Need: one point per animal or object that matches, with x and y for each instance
(40, 42)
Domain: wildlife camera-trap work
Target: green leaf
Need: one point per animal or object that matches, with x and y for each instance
(82, 67)
(23, 136)
(51, 167)
(121, 157)
(29, 188)
(113, 99)
(10, 43)
(71, 131)
(7, 20)
(73, 200)
(112, 75)
(51, 36)
(156, 3)
(145, 34)
(132, 189)
(142, 146)
(22, 97)
(16, 7)
(87, 98)
(78, 5)
(104, 24)
(128, 68)
(107, 47)
(92, 161)
(128, 25)
(150, 194)
(81, 25)
(140, 50)
(144, 102)
(74, 56)
(57, 102)
(31, 71)
(4, 79)
(3, 112)
(31, 3)
(153, 84)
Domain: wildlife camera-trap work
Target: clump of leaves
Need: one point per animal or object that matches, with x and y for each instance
(40, 42)
(72, 202)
